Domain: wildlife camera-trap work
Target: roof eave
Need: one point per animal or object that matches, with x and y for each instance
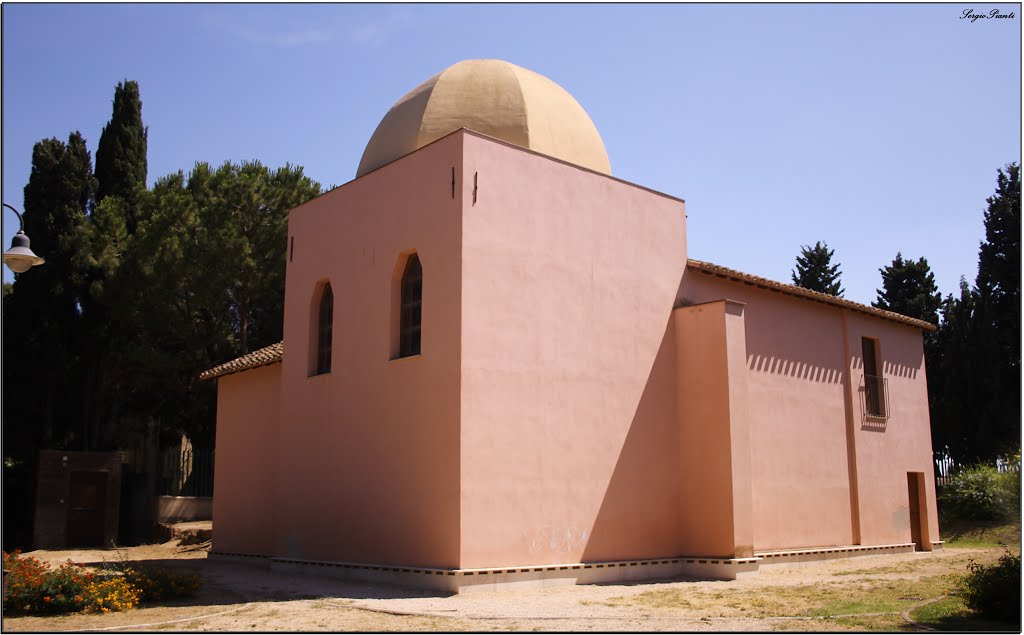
(265, 356)
(806, 294)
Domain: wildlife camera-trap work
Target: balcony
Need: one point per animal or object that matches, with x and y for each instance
(874, 398)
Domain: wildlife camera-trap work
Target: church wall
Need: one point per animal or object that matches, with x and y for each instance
(795, 402)
(248, 405)
(369, 452)
(796, 360)
(888, 450)
(568, 402)
(714, 440)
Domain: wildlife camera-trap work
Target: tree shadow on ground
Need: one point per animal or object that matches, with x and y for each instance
(967, 623)
(228, 583)
(995, 532)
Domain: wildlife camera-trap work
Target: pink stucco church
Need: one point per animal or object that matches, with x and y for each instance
(499, 368)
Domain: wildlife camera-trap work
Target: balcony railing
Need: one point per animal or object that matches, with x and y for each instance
(874, 402)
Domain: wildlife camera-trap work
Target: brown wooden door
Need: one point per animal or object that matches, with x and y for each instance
(918, 511)
(87, 509)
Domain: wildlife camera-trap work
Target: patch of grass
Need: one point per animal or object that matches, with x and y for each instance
(886, 596)
(950, 560)
(661, 599)
(951, 614)
(885, 623)
(819, 600)
(877, 571)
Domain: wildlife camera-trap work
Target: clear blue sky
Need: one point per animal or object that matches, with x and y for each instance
(876, 128)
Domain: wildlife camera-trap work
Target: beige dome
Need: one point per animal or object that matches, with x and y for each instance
(497, 99)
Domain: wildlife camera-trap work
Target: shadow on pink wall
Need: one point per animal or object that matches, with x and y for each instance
(796, 368)
(638, 515)
(905, 366)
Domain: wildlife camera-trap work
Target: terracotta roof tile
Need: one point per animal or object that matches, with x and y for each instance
(800, 292)
(272, 354)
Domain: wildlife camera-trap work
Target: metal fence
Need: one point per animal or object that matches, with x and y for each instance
(186, 472)
(946, 467)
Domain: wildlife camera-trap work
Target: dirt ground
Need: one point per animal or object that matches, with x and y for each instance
(240, 597)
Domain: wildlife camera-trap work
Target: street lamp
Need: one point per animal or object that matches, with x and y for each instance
(19, 258)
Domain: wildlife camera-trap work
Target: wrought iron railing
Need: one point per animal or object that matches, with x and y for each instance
(945, 466)
(874, 392)
(186, 472)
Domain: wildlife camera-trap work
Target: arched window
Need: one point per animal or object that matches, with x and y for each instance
(412, 307)
(324, 329)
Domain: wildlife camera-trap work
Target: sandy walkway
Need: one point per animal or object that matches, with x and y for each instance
(241, 597)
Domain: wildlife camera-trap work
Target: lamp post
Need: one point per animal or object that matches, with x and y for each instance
(20, 258)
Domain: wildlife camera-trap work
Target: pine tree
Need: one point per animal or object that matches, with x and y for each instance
(908, 288)
(815, 271)
(121, 153)
(204, 281)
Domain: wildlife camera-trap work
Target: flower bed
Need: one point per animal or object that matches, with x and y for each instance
(33, 588)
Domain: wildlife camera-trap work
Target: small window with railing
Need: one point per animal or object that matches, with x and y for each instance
(875, 399)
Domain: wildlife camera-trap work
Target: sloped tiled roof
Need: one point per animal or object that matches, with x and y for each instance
(272, 354)
(800, 292)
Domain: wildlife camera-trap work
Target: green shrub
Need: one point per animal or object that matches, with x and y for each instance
(981, 493)
(993, 591)
(1009, 482)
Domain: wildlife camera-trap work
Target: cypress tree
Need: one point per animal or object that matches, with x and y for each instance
(42, 327)
(996, 319)
(41, 315)
(815, 271)
(953, 381)
(908, 288)
(121, 154)
(998, 281)
(103, 241)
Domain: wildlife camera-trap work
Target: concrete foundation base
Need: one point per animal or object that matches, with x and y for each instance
(797, 557)
(526, 577)
(241, 558)
(534, 577)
